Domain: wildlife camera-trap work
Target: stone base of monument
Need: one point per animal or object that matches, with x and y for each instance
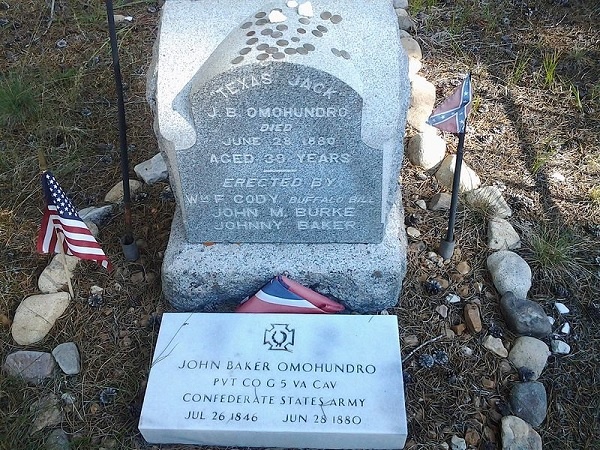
(276, 380)
(217, 277)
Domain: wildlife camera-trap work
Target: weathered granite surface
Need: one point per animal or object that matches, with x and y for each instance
(364, 277)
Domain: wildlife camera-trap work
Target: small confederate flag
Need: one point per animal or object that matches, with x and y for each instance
(282, 295)
(451, 115)
(60, 216)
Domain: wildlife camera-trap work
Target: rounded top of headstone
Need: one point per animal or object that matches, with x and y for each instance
(282, 33)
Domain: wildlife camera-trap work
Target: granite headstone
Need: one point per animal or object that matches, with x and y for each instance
(276, 380)
(283, 131)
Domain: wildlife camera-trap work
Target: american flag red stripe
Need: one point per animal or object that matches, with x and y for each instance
(61, 217)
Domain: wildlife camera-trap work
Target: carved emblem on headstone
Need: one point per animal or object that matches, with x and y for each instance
(279, 337)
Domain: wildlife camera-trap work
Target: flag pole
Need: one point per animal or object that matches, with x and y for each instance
(127, 241)
(63, 257)
(447, 245)
(43, 168)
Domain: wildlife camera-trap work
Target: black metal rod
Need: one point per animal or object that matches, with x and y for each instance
(455, 187)
(122, 124)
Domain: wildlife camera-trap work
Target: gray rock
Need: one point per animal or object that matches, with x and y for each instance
(57, 440)
(458, 443)
(35, 316)
(54, 277)
(524, 317)
(115, 195)
(96, 215)
(531, 353)
(469, 180)
(33, 367)
(67, 357)
(440, 202)
(404, 20)
(153, 170)
(560, 347)
(528, 401)
(519, 435)
(401, 4)
(422, 102)
(510, 273)
(93, 228)
(426, 150)
(502, 235)
(411, 47)
(489, 197)
(46, 413)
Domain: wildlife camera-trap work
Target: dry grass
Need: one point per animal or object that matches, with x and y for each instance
(536, 68)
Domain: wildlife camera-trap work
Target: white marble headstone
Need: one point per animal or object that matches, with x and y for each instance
(276, 380)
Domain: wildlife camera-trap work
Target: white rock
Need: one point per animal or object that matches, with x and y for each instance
(519, 435)
(54, 277)
(442, 310)
(305, 9)
(292, 4)
(560, 347)
(502, 235)
(531, 353)
(469, 180)
(401, 4)
(414, 66)
(120, 18)
(115, 195)
(96, 215)
(421, 203)
(561, 308)
(467, 351)
(489, 197)
(276, 16)
(458, 443)
(510, 273)
(403, 34)
(566, 328)
(154, 169)
(36, 315)
(551, 320)
(426, 150)
(413, 232)
(422, 101)
(96, 290)
(412, 48)
(495, 345)
(404, 20)
(452, 298)
(558, 177)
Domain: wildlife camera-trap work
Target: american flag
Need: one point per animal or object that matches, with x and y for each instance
(451, 114)
(60, 216)
(282, 295)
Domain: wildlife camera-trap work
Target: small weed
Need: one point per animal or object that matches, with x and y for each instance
(595, 195)
(519, 68)
(553, 253)
(576, 96)
(549, 65)
(417, 6)
(542, 157)
(18, 101)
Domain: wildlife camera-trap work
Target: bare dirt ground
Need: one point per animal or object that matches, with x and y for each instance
(536, 69)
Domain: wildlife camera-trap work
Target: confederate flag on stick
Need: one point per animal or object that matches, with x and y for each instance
(62, 228)
(451, 114)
